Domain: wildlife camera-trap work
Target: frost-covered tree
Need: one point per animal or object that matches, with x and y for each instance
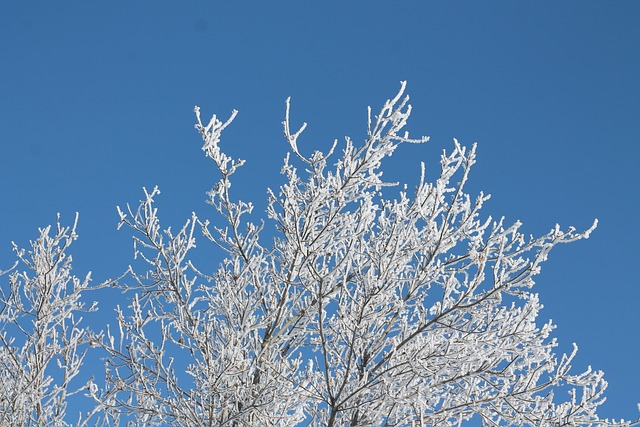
(42, 342)
(370, 307)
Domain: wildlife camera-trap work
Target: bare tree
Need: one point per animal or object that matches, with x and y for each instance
(42, 342)
(370, 307)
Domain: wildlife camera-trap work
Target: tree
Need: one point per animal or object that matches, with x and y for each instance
(43, 344)
(364, 310)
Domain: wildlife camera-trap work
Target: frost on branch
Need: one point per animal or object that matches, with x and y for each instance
(371, 306)
(42, 341)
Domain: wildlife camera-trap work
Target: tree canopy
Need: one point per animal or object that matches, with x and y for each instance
(373, 305)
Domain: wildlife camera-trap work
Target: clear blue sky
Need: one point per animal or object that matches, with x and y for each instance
(96, 101)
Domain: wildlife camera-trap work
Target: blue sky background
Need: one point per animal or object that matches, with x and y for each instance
(96, 101)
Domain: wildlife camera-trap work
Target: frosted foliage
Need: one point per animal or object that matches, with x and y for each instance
(371, 306)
